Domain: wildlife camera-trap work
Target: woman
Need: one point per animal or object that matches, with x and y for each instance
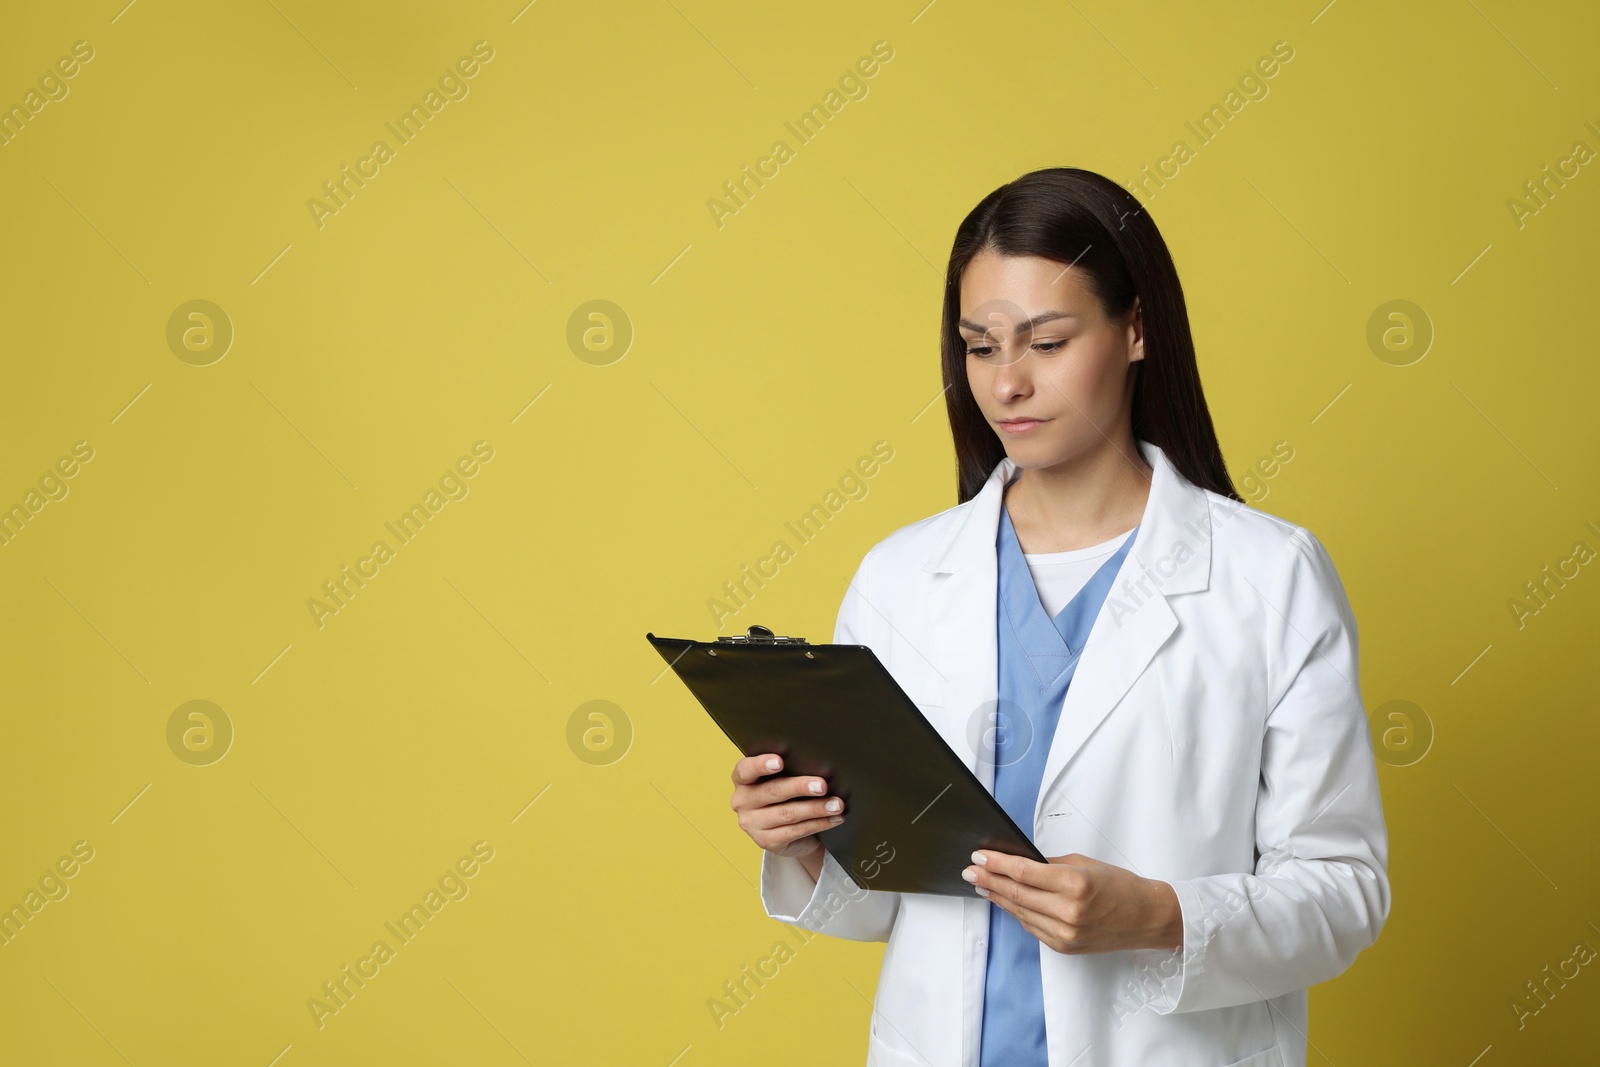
(1154, 678)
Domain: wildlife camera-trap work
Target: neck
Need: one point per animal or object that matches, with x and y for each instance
(1082, 501)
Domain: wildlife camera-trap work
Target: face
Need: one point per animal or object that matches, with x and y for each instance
(1043, 357)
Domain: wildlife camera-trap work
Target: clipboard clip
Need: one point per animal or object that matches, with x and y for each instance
(760, 635)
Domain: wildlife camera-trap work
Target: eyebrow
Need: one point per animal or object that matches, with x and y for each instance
(1022, 327)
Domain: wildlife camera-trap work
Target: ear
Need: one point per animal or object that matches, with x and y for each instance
(1136, 332)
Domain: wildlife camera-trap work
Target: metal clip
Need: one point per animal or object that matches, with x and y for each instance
(760, 635)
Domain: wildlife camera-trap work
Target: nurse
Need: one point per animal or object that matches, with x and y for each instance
(1074, 400)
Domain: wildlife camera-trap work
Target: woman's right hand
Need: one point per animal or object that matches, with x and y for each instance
(783, 815)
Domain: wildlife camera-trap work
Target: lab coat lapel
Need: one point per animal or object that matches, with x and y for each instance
(962, 601)
(1170, 555)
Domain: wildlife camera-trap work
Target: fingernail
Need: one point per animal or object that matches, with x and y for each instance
(980, 859)
(833, 805)
(772, 764)
(982, 892)
(817, 787)
(837, 819)
(969, 874)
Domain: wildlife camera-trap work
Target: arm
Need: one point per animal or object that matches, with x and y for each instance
(813, 863)
(814, 892)
(1320, 891)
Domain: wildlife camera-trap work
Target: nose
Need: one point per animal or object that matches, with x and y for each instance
(1014, 379)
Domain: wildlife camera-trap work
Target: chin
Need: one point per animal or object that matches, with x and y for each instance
(1037, 455)
(1029, 455)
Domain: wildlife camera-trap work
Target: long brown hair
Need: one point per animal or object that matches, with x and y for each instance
(1081, 218)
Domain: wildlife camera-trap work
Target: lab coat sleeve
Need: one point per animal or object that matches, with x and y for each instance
(1320, 890)
(835, 905)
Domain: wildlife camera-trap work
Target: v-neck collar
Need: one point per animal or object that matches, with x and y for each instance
(1054, 644)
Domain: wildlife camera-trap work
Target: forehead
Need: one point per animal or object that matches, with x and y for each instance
(1031, 282)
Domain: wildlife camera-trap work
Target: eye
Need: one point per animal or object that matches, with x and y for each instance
(1047, 347)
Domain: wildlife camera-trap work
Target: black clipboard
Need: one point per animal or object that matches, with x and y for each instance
(835, 711)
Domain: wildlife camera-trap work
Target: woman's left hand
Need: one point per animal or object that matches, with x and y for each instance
(1076, 904)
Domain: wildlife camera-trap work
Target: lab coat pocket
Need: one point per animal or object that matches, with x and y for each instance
(1269, 1058)
(886, 1047)
(882, 1055)
(1208, 708)
(924, 689)
(910, 660)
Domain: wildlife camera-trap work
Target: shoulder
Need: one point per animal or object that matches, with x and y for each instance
(1259, 540)
(1245, 531)
(1285, 563)
(906, 549)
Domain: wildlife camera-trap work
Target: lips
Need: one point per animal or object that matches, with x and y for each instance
(1021, 425)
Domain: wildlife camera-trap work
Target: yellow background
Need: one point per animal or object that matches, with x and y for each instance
(767, 356)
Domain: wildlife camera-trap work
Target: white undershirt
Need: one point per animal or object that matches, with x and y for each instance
(1060, 575)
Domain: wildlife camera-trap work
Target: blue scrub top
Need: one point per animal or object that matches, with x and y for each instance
(1038, 656)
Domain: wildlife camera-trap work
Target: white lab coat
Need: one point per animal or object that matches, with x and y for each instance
(1213, 737)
